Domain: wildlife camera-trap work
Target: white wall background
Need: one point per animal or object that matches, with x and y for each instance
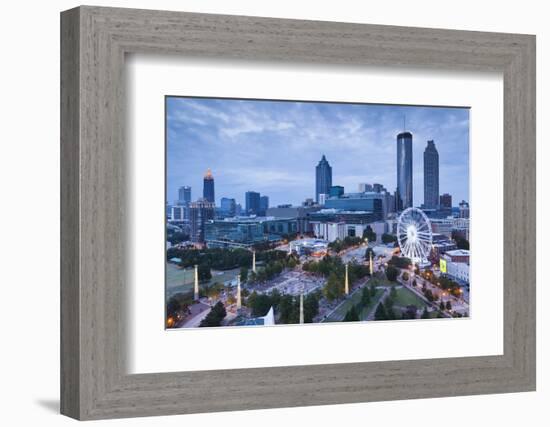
(29, 224)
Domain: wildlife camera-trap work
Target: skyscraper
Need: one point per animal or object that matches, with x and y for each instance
(264, 205)
(228, 206)
(431, 176)
(184, 196)
(323, 178)
(446, 204)
(199, 212)
(404, 171)
(208, 187)
(464, 209)
(252, 203)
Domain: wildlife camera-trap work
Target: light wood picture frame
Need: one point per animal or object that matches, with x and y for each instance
(94, 42)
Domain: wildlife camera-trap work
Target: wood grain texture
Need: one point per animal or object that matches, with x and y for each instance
(94, 382)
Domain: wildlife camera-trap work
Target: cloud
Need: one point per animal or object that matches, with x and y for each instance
(274, 146)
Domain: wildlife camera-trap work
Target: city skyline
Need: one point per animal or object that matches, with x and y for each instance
(272, 147)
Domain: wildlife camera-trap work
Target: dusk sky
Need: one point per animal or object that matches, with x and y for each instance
(272, 147)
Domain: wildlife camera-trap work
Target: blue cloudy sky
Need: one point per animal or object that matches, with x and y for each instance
(273, 146)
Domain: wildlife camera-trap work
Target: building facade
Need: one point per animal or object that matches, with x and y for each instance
(368, 202)
(446, 204)
(329, 231)
(431, 176)
(228, 206)
(336, 191)
(208, 187)
(178, 213)
(464, 209)
(252, 203)
(246, 231)
(264, 205)
(404, 171)
(323, 178)
(184, 196)
(200, 212)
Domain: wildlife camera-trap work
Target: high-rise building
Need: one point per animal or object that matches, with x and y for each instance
(364, 187)
(252, 203)
(404, 171)
(336, 191)
(264, 205)
(208, 187)
(431, 176)
(199, 212)
(464, 209)
(228, 206)
(323, 178)
(184, 196)
(177, 213)
(446, 204)
(378, 188)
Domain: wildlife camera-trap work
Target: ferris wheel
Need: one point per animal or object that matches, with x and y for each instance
(414, 234)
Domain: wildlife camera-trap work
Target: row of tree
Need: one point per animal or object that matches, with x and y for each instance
(287, 307)
(367, 294)
(443, 282)
(334, 270)
(348, 241)
(215, 316)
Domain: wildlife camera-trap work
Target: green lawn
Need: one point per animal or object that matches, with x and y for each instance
(373, 301)
(339, 314)
(406, 297)
(381, 281)
(180, 280)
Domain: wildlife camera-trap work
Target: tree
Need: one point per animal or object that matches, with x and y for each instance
(372, 290)
(365, 297)
(260, 304)
(429, 295)
(351, 315)
(448, 305)
(311, 307)
(392, 273)
(441, 305)
(204, 273)
(411, 312)
(368, 253)
(334, 287)
(289, 309)
(405, 276)
(400, 262)
(215, 316)
(244, 274)
(425, 314)
(368, 233)
(414, 283)
(461, 242)
(388, 238)
(178, 304)
(380, 313)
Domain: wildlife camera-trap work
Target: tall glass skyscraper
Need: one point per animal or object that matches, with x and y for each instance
(252, 203)
(264, 205)
(431, 176)
(199, 212)
(323, 178)
(404, 171)
(184, 196)
(208, 187)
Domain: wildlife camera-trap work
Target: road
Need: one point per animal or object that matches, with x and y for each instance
(196, 320)
(458, 305)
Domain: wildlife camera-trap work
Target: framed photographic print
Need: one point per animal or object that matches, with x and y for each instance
(342, 212)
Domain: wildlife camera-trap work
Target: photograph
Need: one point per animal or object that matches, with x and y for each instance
(290, 212)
